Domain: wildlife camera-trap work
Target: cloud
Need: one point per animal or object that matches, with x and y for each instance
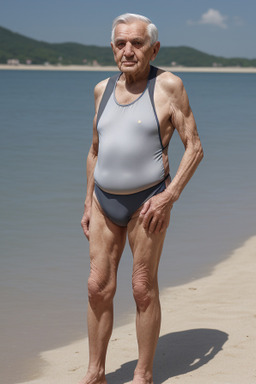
(211, 17)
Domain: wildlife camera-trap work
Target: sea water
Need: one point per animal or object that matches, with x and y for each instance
(45, 134)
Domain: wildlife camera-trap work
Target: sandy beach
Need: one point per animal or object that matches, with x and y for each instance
(207, 335)
(113, 68)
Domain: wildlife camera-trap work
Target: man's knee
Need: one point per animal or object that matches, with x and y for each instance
(101, 288)
(143, 288)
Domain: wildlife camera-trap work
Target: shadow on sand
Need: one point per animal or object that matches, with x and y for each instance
(177, 353)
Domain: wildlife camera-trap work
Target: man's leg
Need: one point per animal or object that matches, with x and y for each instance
(146, 249)
(107, 242)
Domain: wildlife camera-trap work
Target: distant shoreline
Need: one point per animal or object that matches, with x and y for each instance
(115, 69)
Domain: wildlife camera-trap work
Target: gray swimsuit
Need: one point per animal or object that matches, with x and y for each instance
(129, 167)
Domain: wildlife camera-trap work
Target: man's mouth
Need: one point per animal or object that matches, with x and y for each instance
(128, 62)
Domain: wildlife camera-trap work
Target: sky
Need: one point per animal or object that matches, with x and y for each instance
(219, 27)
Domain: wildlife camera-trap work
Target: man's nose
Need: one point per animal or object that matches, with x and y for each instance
(128, 51)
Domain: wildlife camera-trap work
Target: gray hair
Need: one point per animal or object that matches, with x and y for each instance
(130, 17)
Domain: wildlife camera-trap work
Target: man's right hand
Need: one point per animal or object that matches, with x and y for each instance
(85, 222)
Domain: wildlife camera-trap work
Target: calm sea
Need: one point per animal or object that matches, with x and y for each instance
(45, 133)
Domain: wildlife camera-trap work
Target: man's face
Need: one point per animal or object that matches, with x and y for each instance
(132, 49)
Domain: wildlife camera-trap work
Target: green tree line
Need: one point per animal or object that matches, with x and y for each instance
(24, 49)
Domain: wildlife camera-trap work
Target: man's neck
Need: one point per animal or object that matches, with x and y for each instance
(138, 77)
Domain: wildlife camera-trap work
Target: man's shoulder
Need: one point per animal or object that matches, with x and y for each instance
(100, 88)
(168, 82)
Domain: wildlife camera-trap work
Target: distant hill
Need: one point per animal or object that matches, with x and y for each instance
(24, 49)
(16, 46)
(190, 57)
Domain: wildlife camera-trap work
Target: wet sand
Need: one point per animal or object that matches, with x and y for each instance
(207, 335)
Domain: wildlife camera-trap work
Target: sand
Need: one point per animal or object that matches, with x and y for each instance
(208, 333)
(113, 68)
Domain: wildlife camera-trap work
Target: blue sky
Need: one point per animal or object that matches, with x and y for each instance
(219, 27)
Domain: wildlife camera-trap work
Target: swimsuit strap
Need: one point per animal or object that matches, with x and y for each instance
(106, 95)
(151, 88)
(151, 82)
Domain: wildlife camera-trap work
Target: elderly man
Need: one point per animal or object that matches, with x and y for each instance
(129, 190)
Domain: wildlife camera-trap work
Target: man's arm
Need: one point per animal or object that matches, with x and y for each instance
(90, 166)
(156, 212)
(183, 120)
(91, 161)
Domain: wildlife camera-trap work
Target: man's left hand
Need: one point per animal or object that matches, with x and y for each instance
(155, 214)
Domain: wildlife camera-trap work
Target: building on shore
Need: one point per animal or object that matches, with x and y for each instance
(13, 62)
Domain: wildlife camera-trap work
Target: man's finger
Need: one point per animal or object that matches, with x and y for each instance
(86, 231)
(85, 225)
(146, 220)
(158, 226)
(153, 225)
(145, 208)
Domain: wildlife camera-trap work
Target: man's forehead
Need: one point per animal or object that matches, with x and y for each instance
(133, 30)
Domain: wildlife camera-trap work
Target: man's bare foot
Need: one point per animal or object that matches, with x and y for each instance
(85, 380)
(93, 379)
(141, 380)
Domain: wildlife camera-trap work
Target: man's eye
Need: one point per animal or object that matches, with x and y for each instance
(137, 44)
(120, 45)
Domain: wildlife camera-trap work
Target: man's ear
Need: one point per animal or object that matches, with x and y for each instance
(156, 48)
